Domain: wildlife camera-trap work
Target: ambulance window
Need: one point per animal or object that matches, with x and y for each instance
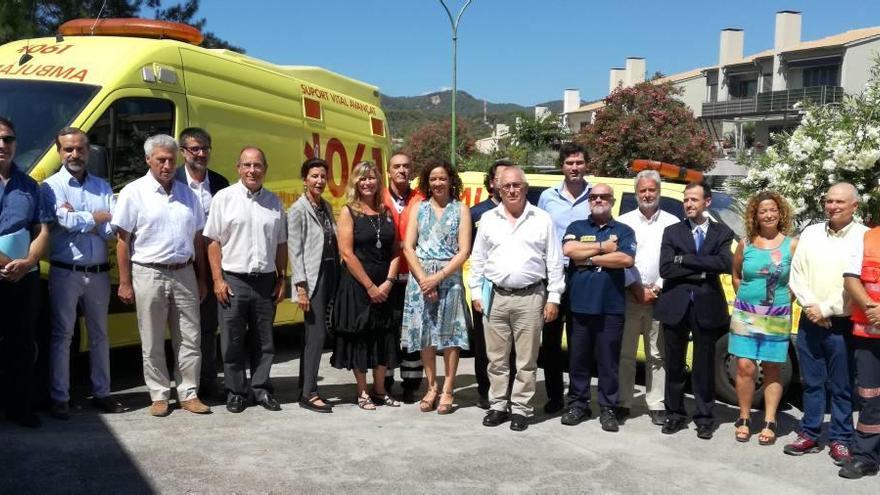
(120, 134)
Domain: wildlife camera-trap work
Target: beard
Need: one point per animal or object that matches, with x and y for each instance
(75, 167)
(648, 205)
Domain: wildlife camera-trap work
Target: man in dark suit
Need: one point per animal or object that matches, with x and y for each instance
(195, 144)
(693, 254)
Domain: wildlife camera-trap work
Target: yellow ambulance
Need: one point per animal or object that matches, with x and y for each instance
(122, 80)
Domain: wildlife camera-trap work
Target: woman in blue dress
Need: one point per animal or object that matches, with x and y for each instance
(760, 324)
(435, 314)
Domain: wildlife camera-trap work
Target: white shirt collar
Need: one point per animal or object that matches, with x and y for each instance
(194, 183)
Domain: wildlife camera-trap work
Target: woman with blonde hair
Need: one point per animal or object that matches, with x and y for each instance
(760, 324)
(362, 318)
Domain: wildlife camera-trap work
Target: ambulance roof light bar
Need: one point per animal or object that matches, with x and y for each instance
(134, 27)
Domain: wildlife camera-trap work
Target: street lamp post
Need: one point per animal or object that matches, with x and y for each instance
(454, 24)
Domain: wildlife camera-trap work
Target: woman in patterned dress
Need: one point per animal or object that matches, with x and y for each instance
(761, 320)
(435, 314)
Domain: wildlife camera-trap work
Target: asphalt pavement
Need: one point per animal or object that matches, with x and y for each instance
(390, 450)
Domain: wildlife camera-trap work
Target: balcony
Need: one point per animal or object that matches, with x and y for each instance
(772, 102)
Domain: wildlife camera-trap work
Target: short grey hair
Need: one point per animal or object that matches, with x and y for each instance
(519, 171)
(846, 186)
(647, 174)
(163, 141)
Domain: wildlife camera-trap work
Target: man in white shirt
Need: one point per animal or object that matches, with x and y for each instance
(195, 146)
(159, 225)
(824, 335)
(515, 250)
(644, 284)
(248, 255)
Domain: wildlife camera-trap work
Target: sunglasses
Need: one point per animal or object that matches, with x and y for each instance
(603, 197)
(7, 139)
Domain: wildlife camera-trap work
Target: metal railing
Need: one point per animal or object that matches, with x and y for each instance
(773, 102)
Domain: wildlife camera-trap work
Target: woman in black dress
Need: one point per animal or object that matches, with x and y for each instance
(362, 318)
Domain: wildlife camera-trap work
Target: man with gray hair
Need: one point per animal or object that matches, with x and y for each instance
(644, 283)
(159, 225)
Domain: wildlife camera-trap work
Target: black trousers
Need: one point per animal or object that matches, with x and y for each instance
(20, 307)
(702, 373)
(550, 357)
(246, 333)
(866, 443)
(316, 330)
(410, 363)
(594, 339)
(209, 321)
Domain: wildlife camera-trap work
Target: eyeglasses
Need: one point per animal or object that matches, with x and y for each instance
(195, 150)
(513, 186)
(9, 139)
(603, 197)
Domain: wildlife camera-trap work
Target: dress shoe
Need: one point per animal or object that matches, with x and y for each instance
(59, 410)
(839, 453)
(518, 422)
(705, 431)
(159, 408)
(608, 420)
(108, 405)
(575, 416)
(311, 405)
(854, 470)
(553, 406)
(235, 404)
(495, 417)
(802, 445)
(269, 403)
(657, 417)
(195, 406)
(483, 402)
(673, 425)
(622, 413)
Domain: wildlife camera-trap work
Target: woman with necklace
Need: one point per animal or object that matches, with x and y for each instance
(314, 258)
(362, 317)
(435, 314)
(761, 320)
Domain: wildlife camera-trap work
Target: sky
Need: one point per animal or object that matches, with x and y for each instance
(511, 51)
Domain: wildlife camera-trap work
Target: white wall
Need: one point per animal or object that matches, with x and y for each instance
(694, 94)
(856, 66)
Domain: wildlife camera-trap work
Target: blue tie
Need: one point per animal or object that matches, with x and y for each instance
(700, 237)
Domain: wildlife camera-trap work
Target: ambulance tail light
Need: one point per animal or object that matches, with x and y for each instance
(134, 27)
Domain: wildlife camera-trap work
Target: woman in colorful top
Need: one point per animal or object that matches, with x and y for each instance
(435, 314)
(362, 317)
(761, 319)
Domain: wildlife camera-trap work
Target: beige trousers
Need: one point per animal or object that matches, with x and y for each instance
(514, 320)
(640, 323)
(168, 298)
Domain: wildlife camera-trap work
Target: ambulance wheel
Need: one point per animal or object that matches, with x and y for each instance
(725, 376)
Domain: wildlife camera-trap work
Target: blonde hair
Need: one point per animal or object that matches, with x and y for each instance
(353, 195)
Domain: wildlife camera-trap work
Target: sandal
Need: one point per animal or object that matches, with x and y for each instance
(765, 439)
(446, 407)
(429, 401)
(384, 400)
(743, 436)
(365, 402)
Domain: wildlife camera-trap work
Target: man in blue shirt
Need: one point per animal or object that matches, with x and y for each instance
(599, 249)
(565, 203)
(79, 275)
(24, 233)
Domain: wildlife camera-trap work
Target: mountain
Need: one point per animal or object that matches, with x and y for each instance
(408, 113)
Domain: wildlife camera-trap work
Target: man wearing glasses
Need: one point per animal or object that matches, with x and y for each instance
(24, 235)
(565, 204)
(515, 250)
(195, 144)
(598, 249)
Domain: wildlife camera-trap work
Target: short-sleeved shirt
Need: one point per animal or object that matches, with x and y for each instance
(249, 227)
(598, 290)
(21, 205)
(562, 209)
(163, 225)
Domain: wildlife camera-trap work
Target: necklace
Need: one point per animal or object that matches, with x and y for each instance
(378, 227)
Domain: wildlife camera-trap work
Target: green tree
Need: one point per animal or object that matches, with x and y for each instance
(432, 141)
(645, 121)
(537, 133)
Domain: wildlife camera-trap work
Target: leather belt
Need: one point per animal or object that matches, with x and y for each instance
(104, 267)
(165, 266)
(513, 292)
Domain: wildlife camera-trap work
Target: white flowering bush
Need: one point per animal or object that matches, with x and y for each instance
(833, 143)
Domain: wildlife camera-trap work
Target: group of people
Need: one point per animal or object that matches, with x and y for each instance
(384, 281)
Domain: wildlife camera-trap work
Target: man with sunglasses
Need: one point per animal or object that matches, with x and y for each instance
(24, 235)
(195, 145)
(599, 249)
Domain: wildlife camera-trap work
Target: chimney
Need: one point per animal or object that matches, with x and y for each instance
(731, 48)
(571, 100)
(616, 78)
(788, 29)
(635, 71)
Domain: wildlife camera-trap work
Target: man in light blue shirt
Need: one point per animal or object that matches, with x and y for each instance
(79, 273)
(565, 203)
